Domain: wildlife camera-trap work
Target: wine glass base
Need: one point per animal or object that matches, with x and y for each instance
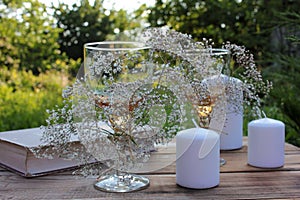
(222, 162)
(122, 183)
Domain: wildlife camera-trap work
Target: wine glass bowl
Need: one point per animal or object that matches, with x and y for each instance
(134, 97)
(113, 71)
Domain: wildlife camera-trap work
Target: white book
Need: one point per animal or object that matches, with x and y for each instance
(16, 154)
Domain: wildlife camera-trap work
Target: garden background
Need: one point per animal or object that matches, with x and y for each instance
(41, 48)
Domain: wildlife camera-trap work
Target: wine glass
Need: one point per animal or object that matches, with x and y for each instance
(222, 58)
(131, 99)
(114, 73)
(212, 106)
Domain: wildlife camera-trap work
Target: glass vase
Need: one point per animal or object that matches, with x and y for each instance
(135, 97)
(114, 71)
(211, 109)
(131, 97)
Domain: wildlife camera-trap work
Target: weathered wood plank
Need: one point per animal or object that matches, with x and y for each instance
(253, 185)
(288, 147)
(171, 148)
(237, 162)
(163, 162)
(238, 181)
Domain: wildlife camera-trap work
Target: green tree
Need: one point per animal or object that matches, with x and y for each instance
(88, 23)
(31, 64)
(81, 23)
(27, 36)
(285, 72)
(244, 22)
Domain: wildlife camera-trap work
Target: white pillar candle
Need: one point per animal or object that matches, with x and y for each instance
(197, 158)
(266, 143)
(232, 133)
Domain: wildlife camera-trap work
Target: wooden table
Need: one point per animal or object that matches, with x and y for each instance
(238, 181)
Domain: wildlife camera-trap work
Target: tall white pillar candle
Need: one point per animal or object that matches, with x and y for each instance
(266, 143)
(197, 158)
(232, 133)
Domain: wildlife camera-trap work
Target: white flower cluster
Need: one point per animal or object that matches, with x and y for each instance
(254, 87)
(129, 101)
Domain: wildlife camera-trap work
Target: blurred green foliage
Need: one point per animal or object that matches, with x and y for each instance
(85, 23)
(284, 70)
(242, 22)
(24, 97)
(33, 70)
(41, 51)
(81, 24)
(27, 38)
(41, 48)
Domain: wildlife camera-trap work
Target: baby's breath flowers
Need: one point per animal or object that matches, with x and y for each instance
(244, 68)
(125, 103)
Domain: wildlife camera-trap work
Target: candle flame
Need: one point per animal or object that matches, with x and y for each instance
(204, 111)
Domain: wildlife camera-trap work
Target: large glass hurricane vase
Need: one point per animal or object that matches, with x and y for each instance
(134, 97)
(110, 127)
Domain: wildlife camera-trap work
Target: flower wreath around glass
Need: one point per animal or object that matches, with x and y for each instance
(132, 99)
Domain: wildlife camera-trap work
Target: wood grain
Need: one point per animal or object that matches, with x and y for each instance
(236, 161)
(278, 184)
(238, 180)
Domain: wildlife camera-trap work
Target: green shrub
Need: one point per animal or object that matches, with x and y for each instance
(24, 97)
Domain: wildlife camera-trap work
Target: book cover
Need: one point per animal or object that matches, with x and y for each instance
(16, 154)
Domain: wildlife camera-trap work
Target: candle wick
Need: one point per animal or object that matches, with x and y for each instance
(264, 114)
(195, 123)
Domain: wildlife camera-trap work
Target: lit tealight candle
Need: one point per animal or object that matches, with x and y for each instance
(197, 158)
(266, 143)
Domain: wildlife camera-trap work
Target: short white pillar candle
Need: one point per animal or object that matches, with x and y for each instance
(197, 158)
(266, 143)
